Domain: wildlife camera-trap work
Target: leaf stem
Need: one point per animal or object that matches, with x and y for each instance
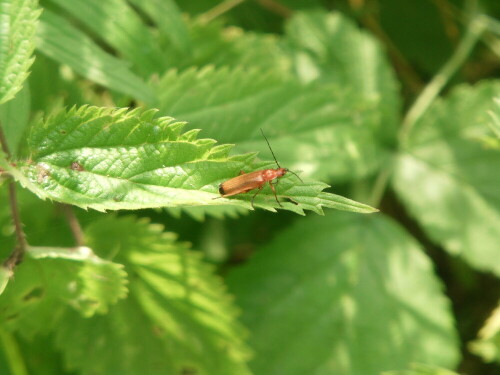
(18, 253)
(74, 224)
(219, 10)
(474, 31)
(380, 185)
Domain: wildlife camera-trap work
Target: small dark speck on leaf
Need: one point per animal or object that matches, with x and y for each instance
(76, 166)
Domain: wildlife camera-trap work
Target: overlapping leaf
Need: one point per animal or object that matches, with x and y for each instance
(123, 29)
(177, 319)
(369, 300)
(319, 129)
(64, 43)
(17, 29)
(50, 280)
(450, 181)
(107, 158)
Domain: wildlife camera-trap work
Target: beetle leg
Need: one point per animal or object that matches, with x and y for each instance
(258, 191)
(274, 191)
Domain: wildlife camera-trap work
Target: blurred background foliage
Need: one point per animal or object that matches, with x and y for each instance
(347, 91)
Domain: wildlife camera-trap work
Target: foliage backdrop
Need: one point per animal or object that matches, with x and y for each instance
(392, 103)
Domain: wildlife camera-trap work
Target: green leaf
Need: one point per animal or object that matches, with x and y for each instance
(343, 294)
(330, 47)
(421, 369)
(214, 44)
(319, 129)
(14, 116)
(115, 22)
(493, 140)
(50, 279)
(487, 345)
(449, 181)
(178, 317)
(168, 18)
(61, 41)
(17, 29)
(107, 158)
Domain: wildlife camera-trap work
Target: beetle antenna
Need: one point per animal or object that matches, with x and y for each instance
(278, 164)
(295, 175)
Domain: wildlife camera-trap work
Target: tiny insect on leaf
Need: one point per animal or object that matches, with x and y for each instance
(255, 180)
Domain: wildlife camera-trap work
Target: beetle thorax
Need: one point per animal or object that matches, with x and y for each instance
(271, 174)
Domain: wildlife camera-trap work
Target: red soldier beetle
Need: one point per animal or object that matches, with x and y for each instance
(255, 180)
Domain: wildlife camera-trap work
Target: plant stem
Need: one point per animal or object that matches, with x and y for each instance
(18, 253)
(74, 224)
(380, 185)
(219, 10)
(474, 31)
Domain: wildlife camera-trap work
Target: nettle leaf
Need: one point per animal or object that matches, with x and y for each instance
(369, 299)
(178, 317)
(106, 158)
(64, 43)
(449, 181)
(330, 47)
(487, 345)
(122, 28)
(17, 29)
(50, 280)
(319, 129)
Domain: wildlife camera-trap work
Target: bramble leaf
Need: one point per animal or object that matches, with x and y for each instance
(106, 158)
(18, 24)
(369, 300)
(449, 181)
